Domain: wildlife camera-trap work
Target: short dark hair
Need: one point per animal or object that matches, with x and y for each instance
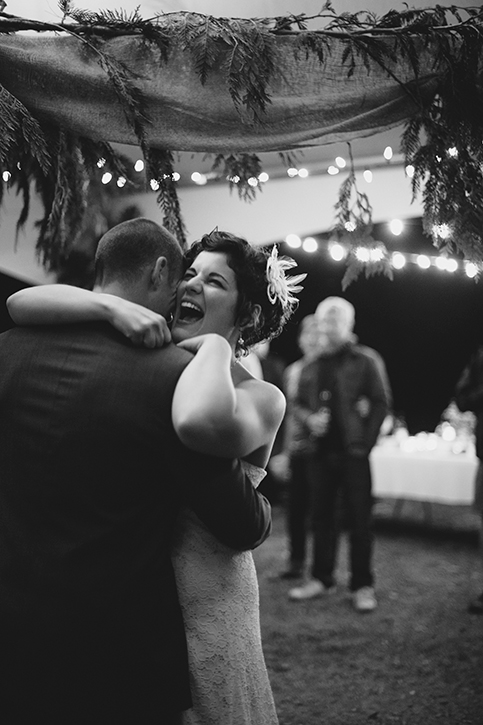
(249, 264)
(129, 247)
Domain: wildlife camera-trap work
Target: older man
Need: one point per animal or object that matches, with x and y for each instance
(343, 398)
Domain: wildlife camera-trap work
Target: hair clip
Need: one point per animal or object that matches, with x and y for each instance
(280, 287)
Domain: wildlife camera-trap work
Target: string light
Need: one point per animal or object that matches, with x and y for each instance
(396, 226)
(310, 245)
(292, 172)
(423, 261)
(198, 178)
(398, 260)
(471, 270)
(139, 165)
(106, 178)
(293, 241)
(337, 251)
(441, 263)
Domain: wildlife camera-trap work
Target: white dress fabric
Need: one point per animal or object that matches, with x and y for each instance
(218, 591)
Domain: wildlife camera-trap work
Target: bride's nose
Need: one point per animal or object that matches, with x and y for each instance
(194, 284)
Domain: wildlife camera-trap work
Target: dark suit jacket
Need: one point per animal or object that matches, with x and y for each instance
(358, 372)
(91, 478)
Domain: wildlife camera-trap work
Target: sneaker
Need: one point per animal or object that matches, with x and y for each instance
(311, 589)
(364, 599)
(476, 605)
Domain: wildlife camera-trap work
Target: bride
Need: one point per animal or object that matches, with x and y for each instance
(231, 297)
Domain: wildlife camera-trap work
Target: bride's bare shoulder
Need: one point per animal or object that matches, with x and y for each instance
(265, 393)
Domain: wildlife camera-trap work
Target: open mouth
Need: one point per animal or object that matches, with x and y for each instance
(190, 312)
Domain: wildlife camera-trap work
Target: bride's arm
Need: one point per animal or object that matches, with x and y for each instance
(213, 416)
(61, 304)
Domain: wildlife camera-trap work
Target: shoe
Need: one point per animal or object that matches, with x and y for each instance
(364, 599)
(311, 589)
(476, 605)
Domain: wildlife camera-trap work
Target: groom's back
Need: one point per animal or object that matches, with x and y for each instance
(88, 484)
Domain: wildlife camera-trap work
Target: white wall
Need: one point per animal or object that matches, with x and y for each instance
(300, 206)
(18, 258)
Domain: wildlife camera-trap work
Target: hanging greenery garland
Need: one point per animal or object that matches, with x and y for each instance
(442, 140)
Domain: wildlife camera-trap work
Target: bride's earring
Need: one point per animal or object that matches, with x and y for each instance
(241, 341)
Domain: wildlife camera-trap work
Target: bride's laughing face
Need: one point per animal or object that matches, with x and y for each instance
(206, 299)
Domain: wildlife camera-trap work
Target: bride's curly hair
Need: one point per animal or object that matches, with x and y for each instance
(250, 267)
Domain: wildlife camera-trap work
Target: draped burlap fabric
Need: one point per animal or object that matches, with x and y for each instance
(60, 79)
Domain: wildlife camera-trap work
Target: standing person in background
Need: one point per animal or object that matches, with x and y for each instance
(469, 396)
(292, 462)
(343, 398)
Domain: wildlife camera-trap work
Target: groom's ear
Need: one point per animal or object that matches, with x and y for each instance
(159, 273)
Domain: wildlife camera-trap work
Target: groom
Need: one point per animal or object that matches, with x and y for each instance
(92, 476)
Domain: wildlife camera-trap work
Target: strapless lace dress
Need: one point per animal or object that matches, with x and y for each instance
(218, 591)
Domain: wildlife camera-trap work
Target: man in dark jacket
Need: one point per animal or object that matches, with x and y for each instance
(469, 396)
(343, 398)
(92, 476)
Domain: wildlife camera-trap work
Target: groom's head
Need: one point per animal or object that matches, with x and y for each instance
(140, 261)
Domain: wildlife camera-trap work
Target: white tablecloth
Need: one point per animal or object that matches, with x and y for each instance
(440, 475)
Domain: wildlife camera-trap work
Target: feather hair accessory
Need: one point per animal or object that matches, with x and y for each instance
(280, 287)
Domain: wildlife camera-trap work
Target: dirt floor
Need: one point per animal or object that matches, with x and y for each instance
(416, 660)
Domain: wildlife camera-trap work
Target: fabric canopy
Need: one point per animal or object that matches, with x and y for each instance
(60, 79)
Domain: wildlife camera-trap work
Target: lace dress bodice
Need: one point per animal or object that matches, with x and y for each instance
(218, 591)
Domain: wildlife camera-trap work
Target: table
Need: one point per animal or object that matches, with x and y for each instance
(423, 475)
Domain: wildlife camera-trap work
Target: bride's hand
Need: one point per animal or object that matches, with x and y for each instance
(140, 324)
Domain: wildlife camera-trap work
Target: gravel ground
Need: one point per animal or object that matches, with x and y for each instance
(416, 660)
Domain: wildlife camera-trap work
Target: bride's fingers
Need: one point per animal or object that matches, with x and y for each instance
(157, 335)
